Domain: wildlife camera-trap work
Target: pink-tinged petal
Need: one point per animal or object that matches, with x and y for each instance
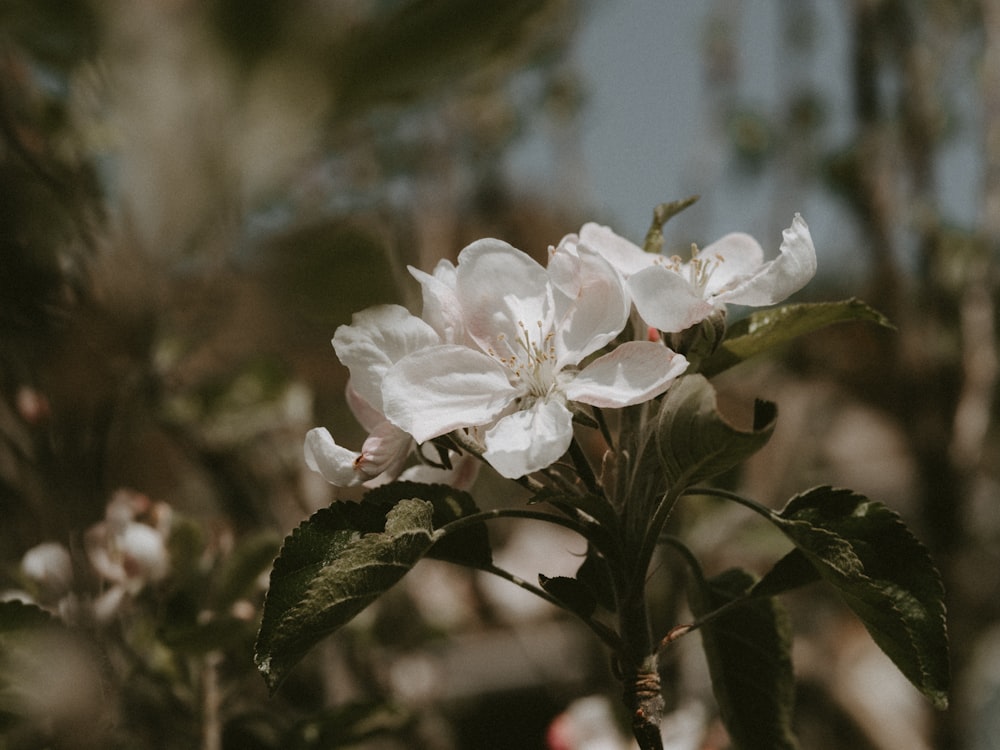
(779, 278)
(591, 305)
(632, 373)
(367, 415)
(441, 307)
(529, 440)
(384, 451)
(730, 260)
(626, 257)
(434, 391)
(666, 301)
(503, 293)
(335, 463)
(378, 337)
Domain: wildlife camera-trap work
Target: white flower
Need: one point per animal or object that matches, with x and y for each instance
(50, 567)
(531, 328)
(376, 339)
(125, 551)
(672, 295)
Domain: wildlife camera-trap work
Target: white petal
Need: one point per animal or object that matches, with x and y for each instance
(732, 258)
(441, 308)
(632, 373)
(529, 440)
(666, 301)
(626, 257)
(335, 463)
(434, 391)
(591, 305)
(781, 277)
(367, 415)
(503, 292)
(376, 338)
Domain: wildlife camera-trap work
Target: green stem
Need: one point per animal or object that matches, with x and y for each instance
(727, 495)
(653, 531)
(490, 515)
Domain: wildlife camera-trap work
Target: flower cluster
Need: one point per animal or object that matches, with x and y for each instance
(127, 551)
(507, 351)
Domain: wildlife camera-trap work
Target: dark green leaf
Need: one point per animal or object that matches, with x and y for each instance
(17, 615)
(344, 557)
(766, 329)
(882, 572)
(749, 657)
(571, 593)
(469, 546)
(595, 573)
(333, 566)
(790, 572)
(695, 442)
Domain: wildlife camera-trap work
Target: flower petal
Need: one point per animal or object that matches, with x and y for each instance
(530, 439)
(626, 257)
(503, 293)
(334, 462)
(441, 307)
(781, 277)
(443, 388)
(376, 338)
(591, 305)
(732, 259)
(367, 415)
(665, 300)
(384, 451)
(632, 373)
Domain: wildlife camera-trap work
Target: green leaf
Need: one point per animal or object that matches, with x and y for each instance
(17, 615)
(884, 575)
(574, 595)
(469, 546)
(332, 567)
(695, 442)
(766, 329)
(347, 555)
(749, 657)
(790, 572)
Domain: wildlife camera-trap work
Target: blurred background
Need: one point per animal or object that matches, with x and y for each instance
(194, 195)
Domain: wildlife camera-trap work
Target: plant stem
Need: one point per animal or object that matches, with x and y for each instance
(640, 675)
(727, 495)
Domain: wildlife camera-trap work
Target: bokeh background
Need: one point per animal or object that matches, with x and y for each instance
(195, 194)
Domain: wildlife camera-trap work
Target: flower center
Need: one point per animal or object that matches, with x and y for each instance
(530, 358)
(698, 270)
